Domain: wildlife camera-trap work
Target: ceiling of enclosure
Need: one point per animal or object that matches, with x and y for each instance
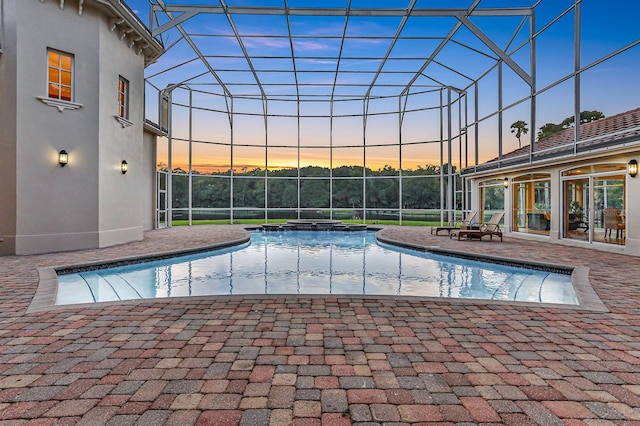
(328, 50)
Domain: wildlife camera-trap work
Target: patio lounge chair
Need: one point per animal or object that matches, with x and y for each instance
(463, 224)
(490, 228)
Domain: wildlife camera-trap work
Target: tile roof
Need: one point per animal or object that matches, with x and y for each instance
(608, 131)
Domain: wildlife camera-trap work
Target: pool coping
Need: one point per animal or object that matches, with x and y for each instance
(44, 298)
(588, 299)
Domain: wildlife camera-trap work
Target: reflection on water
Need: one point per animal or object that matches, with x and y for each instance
(312, 262)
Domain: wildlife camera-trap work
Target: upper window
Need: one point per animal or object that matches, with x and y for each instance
(595, 168)
(123, 98)
(60, 75)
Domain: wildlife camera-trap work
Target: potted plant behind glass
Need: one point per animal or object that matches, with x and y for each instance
(576, 212)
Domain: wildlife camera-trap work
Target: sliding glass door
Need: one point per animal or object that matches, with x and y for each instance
(594, 204)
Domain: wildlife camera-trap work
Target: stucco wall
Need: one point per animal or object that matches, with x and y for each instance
(632, 201)
(8, 129)
(57, 207)
(88, 203)
(121, 196)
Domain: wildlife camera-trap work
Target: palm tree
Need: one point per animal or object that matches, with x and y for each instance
(519, 128)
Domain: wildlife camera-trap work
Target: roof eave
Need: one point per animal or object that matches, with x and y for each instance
(620, 146)
(145, 43)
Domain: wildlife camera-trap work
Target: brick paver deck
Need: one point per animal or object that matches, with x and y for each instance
(335, 360)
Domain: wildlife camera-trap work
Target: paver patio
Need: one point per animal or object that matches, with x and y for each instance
(312, 360)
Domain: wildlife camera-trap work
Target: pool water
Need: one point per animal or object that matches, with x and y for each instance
(316, 262)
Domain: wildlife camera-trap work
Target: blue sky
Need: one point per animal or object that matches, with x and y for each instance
(609, 87)
(604, 30)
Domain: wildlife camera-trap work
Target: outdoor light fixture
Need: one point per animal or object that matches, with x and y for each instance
(124, 167)
(63, 158)
(632, 168)
(505, 183)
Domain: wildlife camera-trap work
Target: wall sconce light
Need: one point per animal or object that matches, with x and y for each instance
(124, 166)
(632, 168)
(63, 158)
(505, 183)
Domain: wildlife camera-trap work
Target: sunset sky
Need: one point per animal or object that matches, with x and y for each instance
(609, 87)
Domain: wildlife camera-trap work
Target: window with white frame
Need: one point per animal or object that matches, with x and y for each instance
(59, 75)
(491, 198)
(531, 203)
(123, 98)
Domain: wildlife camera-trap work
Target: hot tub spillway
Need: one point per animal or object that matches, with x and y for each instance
(313, 225)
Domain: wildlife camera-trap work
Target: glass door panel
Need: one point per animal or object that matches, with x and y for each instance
(576, 208)
(532, 207)
(492, 201)
(161, 206)
(609, 218)
(519, 207)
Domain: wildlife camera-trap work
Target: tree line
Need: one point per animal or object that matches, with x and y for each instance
(347, 188)
(519, 128)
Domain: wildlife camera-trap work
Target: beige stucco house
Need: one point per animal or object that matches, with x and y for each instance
(72, 81)
(575, 187)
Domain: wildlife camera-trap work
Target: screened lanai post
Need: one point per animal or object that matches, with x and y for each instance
(166, 96)
(265, 115)
(576, 78)
(533, 87)
(228, 101)
(442, 186)
(462, 190)
(299, 175)
(365, 111)
(500, 112)
(332, 99)
(450, 201)
(297, 86)
(190, 178)
(231, 159)
(401, 110)
(476, 130)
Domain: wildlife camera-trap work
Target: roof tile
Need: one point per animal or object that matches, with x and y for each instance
(607, 130)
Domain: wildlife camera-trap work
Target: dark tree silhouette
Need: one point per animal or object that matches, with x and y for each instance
(585, 117)
(549, 129)
(519, 128)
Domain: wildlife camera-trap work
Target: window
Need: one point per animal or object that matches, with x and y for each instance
(60, 75)
(491, 198)
(123, 98)
(532, 204)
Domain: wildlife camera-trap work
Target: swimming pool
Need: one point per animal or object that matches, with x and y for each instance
(316, 262)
